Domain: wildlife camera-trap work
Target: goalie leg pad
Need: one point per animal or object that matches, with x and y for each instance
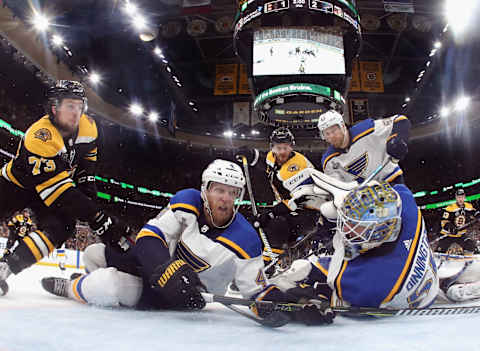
(464, 292)
(107, 287)
(177, 286)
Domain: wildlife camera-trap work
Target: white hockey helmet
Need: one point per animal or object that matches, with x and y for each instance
(328, 119)
(224, 172)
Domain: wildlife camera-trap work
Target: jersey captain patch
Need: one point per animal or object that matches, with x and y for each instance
(358, 166)
(43, 134)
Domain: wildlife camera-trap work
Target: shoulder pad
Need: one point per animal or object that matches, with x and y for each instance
(301, 160)
(328, 155)
(241, 238)
(451, 207)
(468, 205)
(398, 118)
(270, 159)
(362, 129)
(187, 200)
(43, 139)
(87, 130)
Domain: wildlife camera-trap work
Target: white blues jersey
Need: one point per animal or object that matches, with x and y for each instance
(366, 152)
(402, 274)
(219, 256)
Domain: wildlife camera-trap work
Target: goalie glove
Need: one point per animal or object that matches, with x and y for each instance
(177, 286)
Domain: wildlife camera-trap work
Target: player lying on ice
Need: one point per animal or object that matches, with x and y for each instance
(198, 242)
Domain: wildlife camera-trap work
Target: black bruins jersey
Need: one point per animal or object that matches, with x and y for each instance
(458, 216)
(46, 162)
(20, 224)
(278, 174)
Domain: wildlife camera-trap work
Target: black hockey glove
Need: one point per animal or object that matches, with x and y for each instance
(251, 154)
(397, 148)
(279, 210)
(110, 230)
(86, 184)
(449, 227)
(177, 286)
(317, 308)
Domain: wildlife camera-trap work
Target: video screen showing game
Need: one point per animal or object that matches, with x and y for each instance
(295, 51)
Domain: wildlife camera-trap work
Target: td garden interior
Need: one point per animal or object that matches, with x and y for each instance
(175, 84)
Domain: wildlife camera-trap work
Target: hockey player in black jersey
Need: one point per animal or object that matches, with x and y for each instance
(53, 174)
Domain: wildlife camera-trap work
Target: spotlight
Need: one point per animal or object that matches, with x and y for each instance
(136, 109)
(40, 22)
(462, 103)
(57, 40)
(94, 78)
(130, 9)
(153, 116)
(460, 17)
(228, 133)
(139, 22)
(444, 111)
(407, 99)
(437, 45)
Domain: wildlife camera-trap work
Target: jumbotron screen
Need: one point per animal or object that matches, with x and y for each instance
(295, 51)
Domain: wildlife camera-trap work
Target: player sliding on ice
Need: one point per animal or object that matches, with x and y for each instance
(199, 242)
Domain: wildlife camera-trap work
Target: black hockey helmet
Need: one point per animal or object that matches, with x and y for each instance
(66, 89)
(460, 192)
(282, 135)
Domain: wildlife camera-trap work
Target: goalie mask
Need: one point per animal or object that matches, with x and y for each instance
(370, 216)
(223, 172)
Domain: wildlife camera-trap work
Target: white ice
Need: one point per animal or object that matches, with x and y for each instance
(32, 319)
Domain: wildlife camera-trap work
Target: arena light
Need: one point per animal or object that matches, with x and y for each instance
(136, 109)
(460, 15)
(444, 112)
(139, 22)
(437, 45)
(433, 52)
(40, 22)
(191, 103)
(157, 51)
(462, 103)
(94, 78)
(130, 8)
(407, 99)
(57, 40)
(428, 63)
(228, 133)
(153, 116)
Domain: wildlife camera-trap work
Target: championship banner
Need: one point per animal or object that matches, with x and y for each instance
(358, 110)
(371, 77)
(355, 82)
(226, 79)
(243, 87)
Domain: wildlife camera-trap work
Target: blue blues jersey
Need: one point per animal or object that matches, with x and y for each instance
(402, 274)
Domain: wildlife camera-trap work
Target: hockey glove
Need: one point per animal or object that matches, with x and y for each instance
(86, 184)
(251, 154)
(397, 148)
(317, 308)
(177, 286)
(110, 230)
(449, 227)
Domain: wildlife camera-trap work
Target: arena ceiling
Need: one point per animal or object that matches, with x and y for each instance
(99, 37)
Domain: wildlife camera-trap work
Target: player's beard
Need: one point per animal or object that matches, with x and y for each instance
(67, 127)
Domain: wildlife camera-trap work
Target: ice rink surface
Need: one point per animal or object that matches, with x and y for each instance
(32, 319)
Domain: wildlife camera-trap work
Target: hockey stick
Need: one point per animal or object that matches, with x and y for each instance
(446, 257)
(350, 311)
(376, 171)
(274, 319)
(243, 159)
